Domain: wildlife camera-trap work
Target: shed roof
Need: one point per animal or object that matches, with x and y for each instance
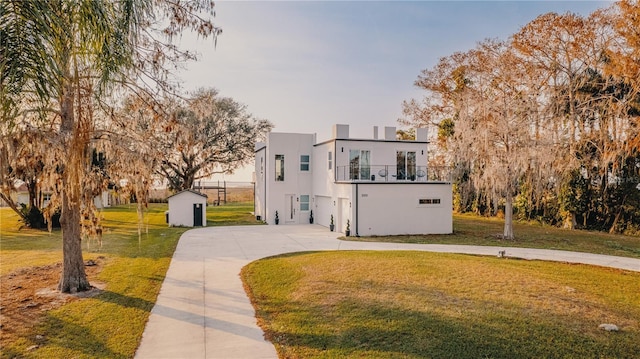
(188, 190)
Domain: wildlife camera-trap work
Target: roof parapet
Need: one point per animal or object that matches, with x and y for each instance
(422, 134)
(341, 131)
(389, 133)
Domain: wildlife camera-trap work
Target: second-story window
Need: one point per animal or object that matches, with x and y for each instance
(406, 165)
(279, 167)
(330, 160)
(304, 163)
(359, 166)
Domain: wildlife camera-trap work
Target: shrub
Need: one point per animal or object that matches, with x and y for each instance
(34, 218)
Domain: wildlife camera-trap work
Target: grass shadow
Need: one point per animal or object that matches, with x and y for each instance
(380, 330)
(77, 339)
(125, 300)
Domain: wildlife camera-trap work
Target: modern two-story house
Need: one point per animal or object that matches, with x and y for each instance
(381, 186)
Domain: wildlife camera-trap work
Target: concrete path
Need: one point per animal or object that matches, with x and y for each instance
(203, 312)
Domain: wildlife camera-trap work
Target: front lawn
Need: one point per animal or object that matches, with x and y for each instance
(109, 324)
(232, 214)
(131, 271)
(433, 305)
(481, 231)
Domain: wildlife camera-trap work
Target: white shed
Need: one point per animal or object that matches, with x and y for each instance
(187, 208)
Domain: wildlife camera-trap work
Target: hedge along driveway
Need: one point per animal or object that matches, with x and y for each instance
(202, 310)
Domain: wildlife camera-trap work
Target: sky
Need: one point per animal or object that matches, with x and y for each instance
(306, 65)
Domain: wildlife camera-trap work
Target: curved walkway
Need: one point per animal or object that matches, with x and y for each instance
(202, 310)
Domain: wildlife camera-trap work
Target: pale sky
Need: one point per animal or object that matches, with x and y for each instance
(306, 65)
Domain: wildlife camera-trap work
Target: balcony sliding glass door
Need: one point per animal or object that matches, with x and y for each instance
(406, 165)
(359, 164)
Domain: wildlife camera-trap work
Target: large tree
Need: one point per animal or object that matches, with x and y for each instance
(210, 134)
(558, 46)
(549, 117)
(483, 110)
(61, 59)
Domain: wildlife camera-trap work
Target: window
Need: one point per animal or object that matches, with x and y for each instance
(279, 167)
(359, 167)
(304, 202)
(330, 160)
(304, 163)
(429, 201)
(406, 165)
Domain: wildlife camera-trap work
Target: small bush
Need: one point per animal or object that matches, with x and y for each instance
(34, 218)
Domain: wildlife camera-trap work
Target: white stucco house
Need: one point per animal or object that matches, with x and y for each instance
(188, 209)
(382, 185)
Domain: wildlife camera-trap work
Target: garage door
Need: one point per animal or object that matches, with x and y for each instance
(322, 210)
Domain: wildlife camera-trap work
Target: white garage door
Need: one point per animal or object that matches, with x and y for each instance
(322, 211)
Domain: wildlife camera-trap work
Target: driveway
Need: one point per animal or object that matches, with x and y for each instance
(202, 310)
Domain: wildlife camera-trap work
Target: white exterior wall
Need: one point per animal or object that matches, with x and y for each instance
(330, 198)
(323, 176)
(181, 208)
(284, 196)
(397, 198)
(389, 209)
(336, 202)
(260, 203)
(385, 209)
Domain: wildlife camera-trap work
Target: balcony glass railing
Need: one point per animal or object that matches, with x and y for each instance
(391, 173)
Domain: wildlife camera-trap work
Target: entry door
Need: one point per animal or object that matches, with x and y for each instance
(290, 208)
(197, 214)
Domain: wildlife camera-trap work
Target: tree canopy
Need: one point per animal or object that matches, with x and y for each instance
(545, 122)
(209, 134)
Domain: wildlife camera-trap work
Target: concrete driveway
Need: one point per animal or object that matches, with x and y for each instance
(202, 310)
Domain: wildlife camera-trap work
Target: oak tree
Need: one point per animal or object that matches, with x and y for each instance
(210, 134)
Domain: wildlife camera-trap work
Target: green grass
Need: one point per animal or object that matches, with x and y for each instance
(431, 305)
(474, 230)
(231, 214)
(109, 325)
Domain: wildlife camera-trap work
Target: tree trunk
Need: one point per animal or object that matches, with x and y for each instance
(32, 188)
(73, 278)
(570, 221)
(508, 218)
(188, 180)
(613, 230)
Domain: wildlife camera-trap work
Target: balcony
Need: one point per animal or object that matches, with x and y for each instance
(391, 173)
